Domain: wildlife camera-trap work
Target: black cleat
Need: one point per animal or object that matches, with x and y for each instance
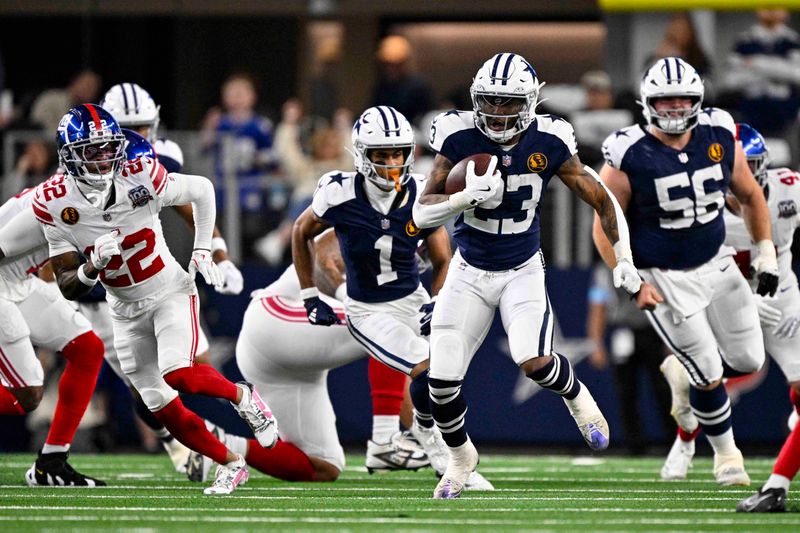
(53, 470)
(764, 501)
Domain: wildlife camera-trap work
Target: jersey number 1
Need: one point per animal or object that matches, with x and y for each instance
(384, 246)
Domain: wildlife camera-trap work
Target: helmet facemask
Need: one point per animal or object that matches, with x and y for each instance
(384, 176)
(95, 162)
(673, 121)
(758, 166)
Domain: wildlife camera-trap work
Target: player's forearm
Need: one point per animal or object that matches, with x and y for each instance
(756, 217)
(604, 247)
(302, 257)
(70, 283)
(436, 209)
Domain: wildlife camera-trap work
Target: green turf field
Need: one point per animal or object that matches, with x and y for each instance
(533, 493)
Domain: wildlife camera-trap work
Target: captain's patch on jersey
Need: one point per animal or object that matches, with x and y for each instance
(715, 152)
(411, 229)
(537, 162)
(70, 215)
(139, 196)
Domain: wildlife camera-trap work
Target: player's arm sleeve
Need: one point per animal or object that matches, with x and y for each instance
(566, 134)
(57, 241)
(324, 202)
(182, 189)
(622, 248)
(441, 138)
(21, 234)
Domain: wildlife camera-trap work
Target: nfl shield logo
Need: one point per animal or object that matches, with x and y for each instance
(106, 217)
(506, 160)
(683, 158)
(384, 223)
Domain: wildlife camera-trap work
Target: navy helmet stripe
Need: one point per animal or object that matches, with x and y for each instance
(125, 98)
(385, 119)
(496, 64)
(508, 67)
(669, 71)
(135, 98)
(394, 117)
(679, 69)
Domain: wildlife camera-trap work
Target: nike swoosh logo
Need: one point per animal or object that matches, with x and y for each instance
(786, 289)
(724, 269)
(40, 472)
(487, 189)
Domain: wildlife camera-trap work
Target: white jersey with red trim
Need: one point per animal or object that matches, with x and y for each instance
(146, 269)
(15, 271)
(783, 200)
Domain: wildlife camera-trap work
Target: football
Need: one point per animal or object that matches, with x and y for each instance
(457, 178)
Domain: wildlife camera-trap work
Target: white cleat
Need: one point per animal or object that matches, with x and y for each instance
(398, 454)
(590, 420)
(678, 380)
(463, 461)
(679, 460)
(257, 414)
(178, 454)
(476, 481)
(229, 476)
(729, 469)
(431, 441)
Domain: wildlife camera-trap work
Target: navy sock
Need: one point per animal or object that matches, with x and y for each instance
(420, 399)
(449, 409)
(557, 376)
(712, 409)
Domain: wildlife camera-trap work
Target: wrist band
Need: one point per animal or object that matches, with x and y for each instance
(83, 278)
(218, 244)
(310, 292)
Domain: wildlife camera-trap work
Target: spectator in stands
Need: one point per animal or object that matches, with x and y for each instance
(397, 85)
(302, 170)
(634, 348)
(598, 118)
(764, 70)
(242, 143)
(52, 104)
(680, 40)
(35, 165)
(324, 92)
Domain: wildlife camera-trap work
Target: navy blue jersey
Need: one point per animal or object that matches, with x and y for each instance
(676, 195)
(502, 234)
(379, 251)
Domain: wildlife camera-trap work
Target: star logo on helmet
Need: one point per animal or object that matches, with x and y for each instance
(529, 68)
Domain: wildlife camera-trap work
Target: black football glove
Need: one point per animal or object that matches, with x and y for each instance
(319, 313)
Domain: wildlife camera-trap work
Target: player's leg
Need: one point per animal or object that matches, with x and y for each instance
(21, 374)
(528, 319)
(58, 326)
(693, 343)
(137, 349)
(99, 316)
(461, 319)
(176, 327)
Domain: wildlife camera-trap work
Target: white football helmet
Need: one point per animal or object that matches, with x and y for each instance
(383, 127)
(669, 78)
(505, 78)
(133, 107)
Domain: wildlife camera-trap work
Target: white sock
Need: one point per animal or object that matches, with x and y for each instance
(52, 448)
(723, 444)
(163, 434)
(236, 444)
(777, 481)
(383, 427)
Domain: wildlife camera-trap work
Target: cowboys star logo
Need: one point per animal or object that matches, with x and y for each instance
(715, 152)
(411, 229)
(70, 216)
(537, 162)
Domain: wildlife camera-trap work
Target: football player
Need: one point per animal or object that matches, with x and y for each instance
(136, 111)
(671, 177)
(106, 208)
(498, 264)
(32, 312)
(371, 209)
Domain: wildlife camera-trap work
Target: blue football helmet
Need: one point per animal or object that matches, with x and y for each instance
(137, 146)
(755, 148)
(91, 145)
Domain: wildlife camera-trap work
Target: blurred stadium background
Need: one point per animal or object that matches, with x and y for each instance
(323, 54)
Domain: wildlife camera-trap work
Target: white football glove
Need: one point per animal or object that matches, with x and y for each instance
(769, 316)
(201, 262)
(788, 327)
(234, 282)
(626, 276)
(483, 187)
(105, 247)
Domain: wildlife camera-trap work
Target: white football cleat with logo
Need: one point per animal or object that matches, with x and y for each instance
(257, 414)
(589, 419)
(678, 381)
(679, 460)
(397, 454)
(228, 477)
(431, 441)
(463, 460)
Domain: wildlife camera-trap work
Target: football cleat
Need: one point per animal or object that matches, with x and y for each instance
(53, 470)
(257, 414)
(431, 441)
(178, 454)
(764, 501)
(228, 477)
(679, 460)
(678, 381)
(198, 465)
(397, 454)
(590, 420)
(463, 461)
(476, 481)
(729, 469)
